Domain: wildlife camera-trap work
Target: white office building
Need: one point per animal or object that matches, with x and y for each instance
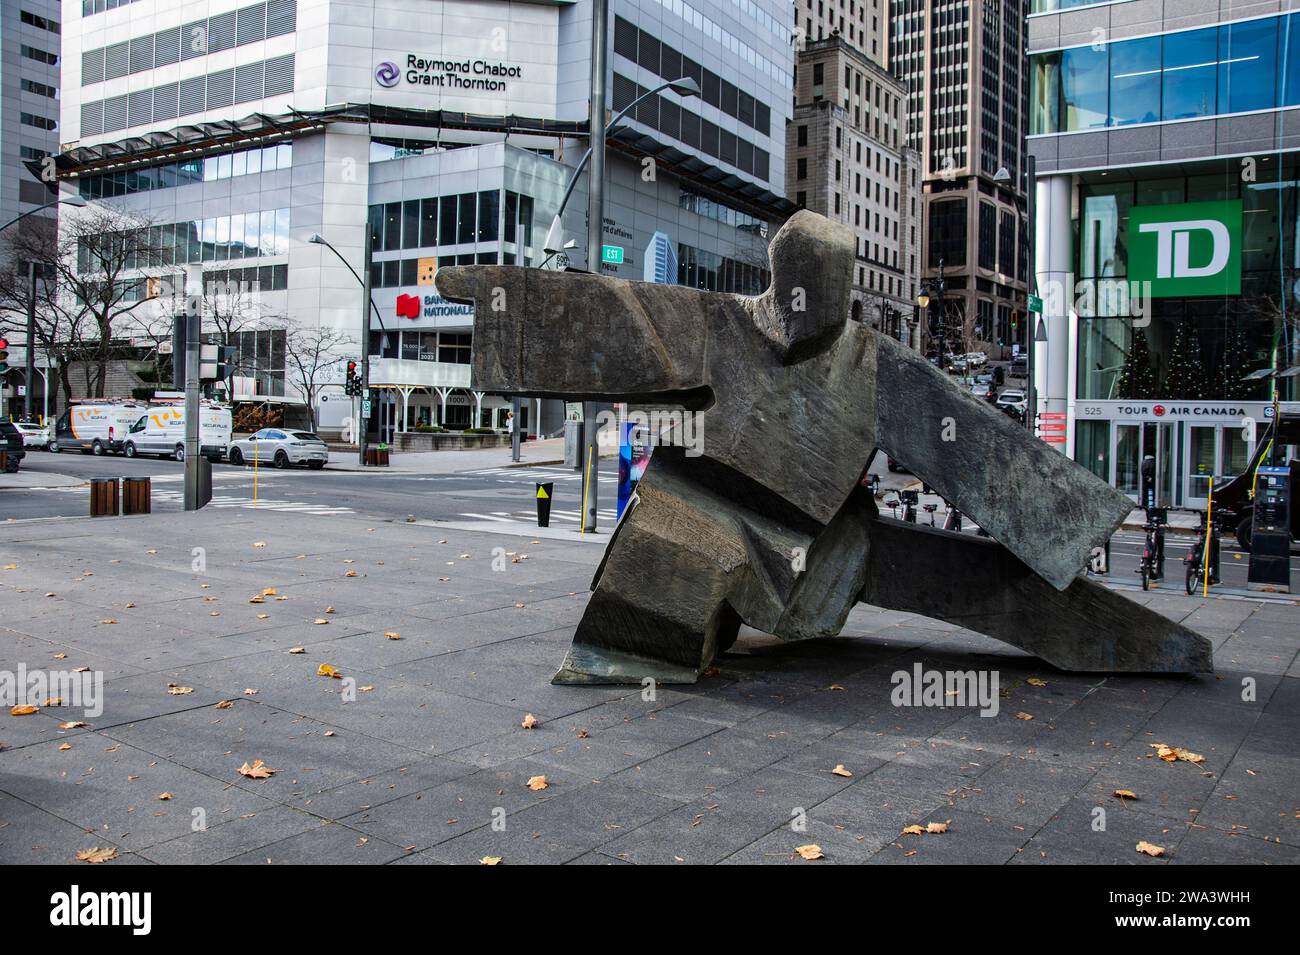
(445, 130)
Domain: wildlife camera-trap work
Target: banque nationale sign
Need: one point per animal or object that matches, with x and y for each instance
(1189, 249)
(480, 75)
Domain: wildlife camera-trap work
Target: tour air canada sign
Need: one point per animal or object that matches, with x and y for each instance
(1190, 249)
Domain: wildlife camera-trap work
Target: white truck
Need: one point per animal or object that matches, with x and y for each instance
(160, 430)
(95, 427)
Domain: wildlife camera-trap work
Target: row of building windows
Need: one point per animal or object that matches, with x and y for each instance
(443, 221)
(1052, 6)
(243, 162)
(729, 41)
(720, 212)
(40, 89)
(229, 283)
(222, 89)
(91, 7)
(248, 235)
(662, 60)
(698, 268)
(402, 273)
(197, 38)
(39, 55)
(40, 22)
(1233, 68)
(40, 122)
(678, 122)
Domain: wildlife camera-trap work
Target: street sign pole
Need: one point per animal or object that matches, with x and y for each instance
(192, 455)
(30, 365)
(595, 232)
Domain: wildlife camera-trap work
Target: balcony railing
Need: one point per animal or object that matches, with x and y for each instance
(418, 374)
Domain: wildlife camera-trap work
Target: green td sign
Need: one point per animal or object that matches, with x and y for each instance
(1188, 249)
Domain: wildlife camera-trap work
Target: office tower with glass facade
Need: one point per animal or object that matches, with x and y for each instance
(418, 134)
(29, 100)
(1168, 146)
(846, 159)
(963, 65)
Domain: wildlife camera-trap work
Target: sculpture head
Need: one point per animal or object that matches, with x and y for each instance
(580, 336)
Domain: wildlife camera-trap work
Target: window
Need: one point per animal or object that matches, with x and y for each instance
(1133, 97)
(1084, 88)
(1189, 74)
(40, 56)
(1248, 65)
(801, 135)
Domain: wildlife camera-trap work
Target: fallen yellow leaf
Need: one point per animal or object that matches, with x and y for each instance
(1147, 848)
(225, 704)
(1172, 754)
(1124, 794)
(320, 621)
(259, 770)
(935, 828)
(96, 855)
(393, 635)
(530, 722)
(490, 860)
(71, 725)
(66, 746)
(1022, 715)
(810, 852)
(180, 690)
(326, 670)
(24, 709)
(839, 770)
(536, 783)
(912, 830)
(164, 796)
(297, 649)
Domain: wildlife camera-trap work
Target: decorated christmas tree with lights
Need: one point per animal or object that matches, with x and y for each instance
(1137, 379)
(1187, 377)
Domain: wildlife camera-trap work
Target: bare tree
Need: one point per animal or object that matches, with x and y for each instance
(92, 269)
(308, 353)
(232, 308)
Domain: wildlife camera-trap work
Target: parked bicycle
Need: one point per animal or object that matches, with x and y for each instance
(1195, 560)
(1152, 567)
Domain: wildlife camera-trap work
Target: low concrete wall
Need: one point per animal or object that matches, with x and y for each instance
(449, 441)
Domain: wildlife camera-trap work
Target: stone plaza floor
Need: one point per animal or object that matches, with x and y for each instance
(211, 630)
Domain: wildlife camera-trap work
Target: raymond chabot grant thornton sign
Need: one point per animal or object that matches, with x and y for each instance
(1185, 250)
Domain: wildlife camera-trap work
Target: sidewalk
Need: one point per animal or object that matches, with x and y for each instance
(210, 631)
(531, 454)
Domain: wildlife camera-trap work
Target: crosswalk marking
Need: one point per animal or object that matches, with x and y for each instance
(530, 517)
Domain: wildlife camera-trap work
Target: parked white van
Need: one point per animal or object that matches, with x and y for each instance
(95, 426)
(161, 430)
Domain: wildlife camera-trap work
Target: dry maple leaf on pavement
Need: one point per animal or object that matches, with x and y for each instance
(530, 722)
(96, 855)
(537, 783)
(259, 770)
(1147, 848)
(1172, 754)
(810, 852)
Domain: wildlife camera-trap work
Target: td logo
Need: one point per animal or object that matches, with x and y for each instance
(1188, 249)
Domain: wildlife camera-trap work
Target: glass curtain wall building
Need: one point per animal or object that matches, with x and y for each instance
(418, 136)
(1169, 181)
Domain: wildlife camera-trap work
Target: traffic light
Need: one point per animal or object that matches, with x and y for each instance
(4, 355)
(352, 383)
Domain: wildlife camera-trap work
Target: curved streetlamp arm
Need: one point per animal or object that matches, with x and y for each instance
(321, 240)
(586, 157)
(75, 201)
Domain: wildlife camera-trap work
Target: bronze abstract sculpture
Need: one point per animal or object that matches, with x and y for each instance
(770, 525)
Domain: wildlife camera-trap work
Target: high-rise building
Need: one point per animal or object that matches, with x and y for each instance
(410, 135)
(29, 101)
(846, 158)
(1168, 166)
(860, 23)
(963, 63)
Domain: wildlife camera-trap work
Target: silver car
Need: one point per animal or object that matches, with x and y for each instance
(34, 435)
(280, 447)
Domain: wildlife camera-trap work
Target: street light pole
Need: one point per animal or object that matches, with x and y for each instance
(318, 239)
(595, 234)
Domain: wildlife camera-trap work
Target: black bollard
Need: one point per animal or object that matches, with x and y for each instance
(544, 504)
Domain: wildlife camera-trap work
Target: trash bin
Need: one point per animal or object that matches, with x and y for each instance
(137, 497)
(103, 497)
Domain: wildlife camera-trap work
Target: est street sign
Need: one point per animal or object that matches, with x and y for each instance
(612, 254)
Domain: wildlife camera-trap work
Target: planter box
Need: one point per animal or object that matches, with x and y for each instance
(447, 441)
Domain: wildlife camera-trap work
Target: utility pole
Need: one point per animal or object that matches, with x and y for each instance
(29, 369)
(363, 420)
(595, 236)
(1031, 286)
(515, 405)
(192, 449)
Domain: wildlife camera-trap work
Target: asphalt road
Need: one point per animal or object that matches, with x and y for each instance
(499, 494)
(506, 493)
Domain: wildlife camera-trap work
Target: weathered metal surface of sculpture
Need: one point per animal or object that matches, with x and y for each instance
(770, 526)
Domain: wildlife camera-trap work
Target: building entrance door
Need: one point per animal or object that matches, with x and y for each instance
(1133, 441)
(1202, 455)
